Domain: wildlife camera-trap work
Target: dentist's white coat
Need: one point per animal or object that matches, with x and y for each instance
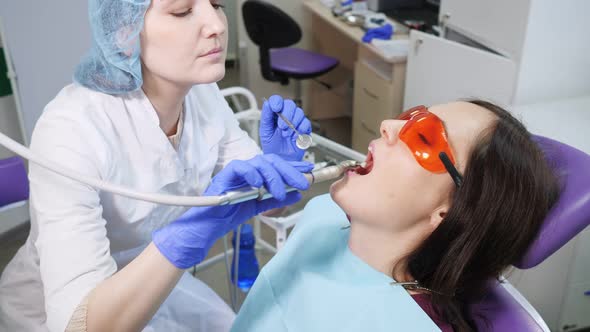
(80, 236)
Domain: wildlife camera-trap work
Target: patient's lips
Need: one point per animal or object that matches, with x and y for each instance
(368, 163)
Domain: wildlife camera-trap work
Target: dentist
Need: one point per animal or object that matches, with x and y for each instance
(144, 112)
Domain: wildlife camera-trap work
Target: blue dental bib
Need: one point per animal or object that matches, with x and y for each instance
(315, 283)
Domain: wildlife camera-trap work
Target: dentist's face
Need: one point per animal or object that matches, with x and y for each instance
(398, 194)
(185, 41)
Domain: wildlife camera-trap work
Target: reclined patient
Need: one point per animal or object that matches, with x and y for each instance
(450, 197)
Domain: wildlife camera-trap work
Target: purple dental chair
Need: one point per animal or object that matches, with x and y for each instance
(273, 31)
(503, 308)
(14, 185)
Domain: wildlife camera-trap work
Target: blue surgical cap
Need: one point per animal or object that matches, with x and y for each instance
(113, 65)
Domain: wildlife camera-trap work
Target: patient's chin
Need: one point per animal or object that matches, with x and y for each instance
(336, 190)
(339, 195)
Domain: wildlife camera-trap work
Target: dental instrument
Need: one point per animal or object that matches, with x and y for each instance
(303, 141)
(320, 175)
(232, 197)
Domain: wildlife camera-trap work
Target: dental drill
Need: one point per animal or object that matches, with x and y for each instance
(232, 197)
(320, 175)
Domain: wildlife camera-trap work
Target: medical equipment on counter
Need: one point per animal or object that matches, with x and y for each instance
(382, 5)
(232, 197)
(374, 20)
(353, 19)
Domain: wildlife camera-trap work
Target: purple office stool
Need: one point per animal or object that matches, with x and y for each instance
(273, 31)
(14, 185)
(504, 308)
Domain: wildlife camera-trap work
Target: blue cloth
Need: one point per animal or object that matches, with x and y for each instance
(186, 241)
(276, 136)
(113, 66)
(383, 32)
(315, 283)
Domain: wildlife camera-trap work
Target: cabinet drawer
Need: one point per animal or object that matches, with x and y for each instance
(362, 135)
(374, 97)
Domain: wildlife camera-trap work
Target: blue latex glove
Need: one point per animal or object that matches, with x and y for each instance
(383, 32)
(186, 241)
(275, 135)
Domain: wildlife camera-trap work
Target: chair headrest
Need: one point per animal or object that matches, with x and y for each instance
(571, 214)
(268, 26)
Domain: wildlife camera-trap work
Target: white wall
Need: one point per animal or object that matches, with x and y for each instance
(557, 50)
(46, 40)
(231, 11)
(9, 122)
(544, 286)
(253, 80)
(10, 126)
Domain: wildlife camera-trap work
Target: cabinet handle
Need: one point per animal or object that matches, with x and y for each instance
(417, 44)
(370, 94)
(443, 24)
(569, 327)
(444, 19)
(368, 129)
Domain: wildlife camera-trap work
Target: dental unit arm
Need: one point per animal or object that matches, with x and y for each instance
(232, 197)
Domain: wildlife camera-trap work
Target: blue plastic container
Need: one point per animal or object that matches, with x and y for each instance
(248, 267)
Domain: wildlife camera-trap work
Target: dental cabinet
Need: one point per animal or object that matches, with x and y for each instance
(378, 95)
(509, 52)
(378, 88)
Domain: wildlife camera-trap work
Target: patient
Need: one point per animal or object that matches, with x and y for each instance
(450, 197)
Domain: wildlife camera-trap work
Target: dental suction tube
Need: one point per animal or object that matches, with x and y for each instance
(232, 197)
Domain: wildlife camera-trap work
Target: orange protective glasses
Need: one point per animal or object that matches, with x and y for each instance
(425, 135)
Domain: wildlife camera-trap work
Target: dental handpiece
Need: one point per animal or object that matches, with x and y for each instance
(320, 175)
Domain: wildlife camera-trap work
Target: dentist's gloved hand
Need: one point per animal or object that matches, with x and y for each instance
(186, 241)
(275, 135)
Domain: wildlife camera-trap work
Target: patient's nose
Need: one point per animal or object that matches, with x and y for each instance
(390, 130)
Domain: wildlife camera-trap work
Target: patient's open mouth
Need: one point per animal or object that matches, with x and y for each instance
(368, 163)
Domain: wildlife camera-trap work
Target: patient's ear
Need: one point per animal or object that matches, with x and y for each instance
(438, 215)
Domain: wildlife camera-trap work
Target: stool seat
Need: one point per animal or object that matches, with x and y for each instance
(299, 63)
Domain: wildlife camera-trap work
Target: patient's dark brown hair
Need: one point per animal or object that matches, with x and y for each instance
(508, 189)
